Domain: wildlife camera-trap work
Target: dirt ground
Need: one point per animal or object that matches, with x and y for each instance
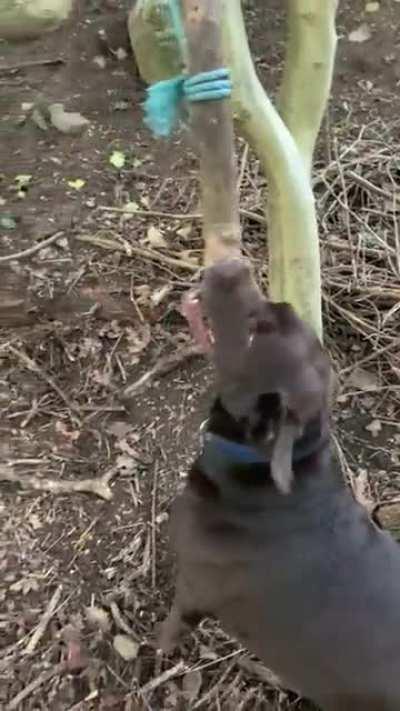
(101, 310)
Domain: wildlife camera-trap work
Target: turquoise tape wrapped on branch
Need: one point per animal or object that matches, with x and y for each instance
(165, 101)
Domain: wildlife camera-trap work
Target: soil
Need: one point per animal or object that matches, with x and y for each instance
(100, 307)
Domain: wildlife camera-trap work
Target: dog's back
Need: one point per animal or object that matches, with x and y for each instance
(306, 582)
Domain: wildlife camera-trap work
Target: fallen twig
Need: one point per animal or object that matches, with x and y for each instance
(31, 63)
(140, 251)
(368, 185)
(162, 678)
(121, 623)
(162, 367)
(98, 486)
(46, 617)
(16, 702)
(176, 215)
(31, 250)
(31, 365)
(151, 213)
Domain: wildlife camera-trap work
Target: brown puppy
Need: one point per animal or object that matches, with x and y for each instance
(268, 537)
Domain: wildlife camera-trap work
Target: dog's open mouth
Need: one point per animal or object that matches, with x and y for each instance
(219, 311)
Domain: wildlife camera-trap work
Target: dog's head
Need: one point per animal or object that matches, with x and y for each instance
(273, 376)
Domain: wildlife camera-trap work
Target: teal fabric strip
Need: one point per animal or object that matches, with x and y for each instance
(164, 105)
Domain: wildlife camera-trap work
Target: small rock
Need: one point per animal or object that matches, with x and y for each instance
(69, 122)
(361, 34)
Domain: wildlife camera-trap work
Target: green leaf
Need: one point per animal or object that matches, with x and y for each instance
(117, 159)
(76, 184)
(7, 222)
(22, 180)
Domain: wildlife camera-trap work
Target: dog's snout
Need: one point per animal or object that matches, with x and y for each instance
(227, 275)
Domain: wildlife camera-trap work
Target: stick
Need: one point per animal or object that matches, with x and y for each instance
(121, 623)
(191, 216)
(16, 702)
(212, 128)
(161, 679)
(31, 365)
(140, 251)
(99, 486)
(31, 63)
(42, 626)
(31, 250)
(162, 367)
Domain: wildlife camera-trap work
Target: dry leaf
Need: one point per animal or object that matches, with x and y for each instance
(126, 448)
(25, 585)
(70, 122)
(155, 238)
(372, 7)
(191, 685)
(259, 671)
(185, 232)
(100, 61)
(129, 211)
(98, 617)
(138, 338)
(159, 295)
(69, 435)
(361, 379)
(35, 522)
(361, 34)
(362, 491)
(125, 464)
(120, 54)
(38, 119)
(119, 429)
(374, 427)
(126, 647)
(101, 377)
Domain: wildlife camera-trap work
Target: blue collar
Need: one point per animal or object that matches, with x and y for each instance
(221, 453)
(221, 447)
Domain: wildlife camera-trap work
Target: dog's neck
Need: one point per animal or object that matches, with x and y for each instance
(218, 449)
(226, 454)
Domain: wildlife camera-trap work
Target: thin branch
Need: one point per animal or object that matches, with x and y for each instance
(46, 617)
(99, 486)
(31, 250)
(38, 681)
(162, 367)
(191, 216)
(140, 251)
(168, 674)
(31, 365)
(31, 63)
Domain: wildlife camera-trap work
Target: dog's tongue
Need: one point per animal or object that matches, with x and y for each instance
(191, 309)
